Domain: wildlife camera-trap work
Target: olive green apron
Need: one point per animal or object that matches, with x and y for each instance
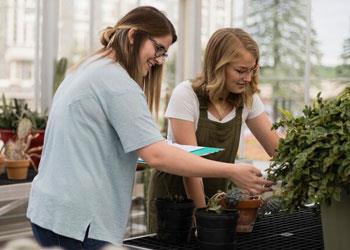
(209, 133)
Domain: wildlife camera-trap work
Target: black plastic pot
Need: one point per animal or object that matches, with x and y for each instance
(174, 220)
(216, 231)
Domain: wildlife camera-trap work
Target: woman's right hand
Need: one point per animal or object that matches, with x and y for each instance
(248, 177)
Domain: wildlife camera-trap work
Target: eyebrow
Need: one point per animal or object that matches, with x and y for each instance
(245, 67)
(248, 68)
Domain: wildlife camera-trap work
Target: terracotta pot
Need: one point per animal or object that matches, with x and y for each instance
(248, 210)
(17, 169)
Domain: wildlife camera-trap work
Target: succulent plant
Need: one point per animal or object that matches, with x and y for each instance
(214, 203)
(235, 195)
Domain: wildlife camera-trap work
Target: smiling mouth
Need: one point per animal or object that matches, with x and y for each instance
(150, 64)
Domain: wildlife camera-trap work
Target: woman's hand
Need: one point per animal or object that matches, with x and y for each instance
(248, 177)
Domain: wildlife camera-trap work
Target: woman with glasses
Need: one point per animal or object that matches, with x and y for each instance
(99, 124)
(210, 110)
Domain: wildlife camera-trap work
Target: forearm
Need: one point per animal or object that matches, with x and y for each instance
(176, 161)
(195, 190)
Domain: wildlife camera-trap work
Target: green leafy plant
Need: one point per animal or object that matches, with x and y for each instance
(313, 160)
(9, 114)
(12, 111)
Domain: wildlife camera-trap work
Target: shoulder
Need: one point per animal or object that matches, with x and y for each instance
(110, 76)
(255, 109)
(183, 92)
(184, 87)
(183, 103)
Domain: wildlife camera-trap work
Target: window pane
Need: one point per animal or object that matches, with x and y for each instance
(215, 15)
(17, 47)
(74, 20)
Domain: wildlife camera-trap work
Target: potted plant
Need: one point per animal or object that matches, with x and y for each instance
(11, 112)
(18, 152)
(174, 219)
(246, 204)
(313, 164)
(216, 225)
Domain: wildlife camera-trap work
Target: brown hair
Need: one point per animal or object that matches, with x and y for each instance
(224, 47)
(147, 21)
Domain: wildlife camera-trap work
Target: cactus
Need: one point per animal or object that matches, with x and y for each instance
(19, 149)
(60, 72)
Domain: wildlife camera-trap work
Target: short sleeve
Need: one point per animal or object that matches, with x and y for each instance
(183, 103)
(257, 107)
(129, 115)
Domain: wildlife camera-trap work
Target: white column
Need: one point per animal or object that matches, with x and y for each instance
(49, 32)
(188, 57)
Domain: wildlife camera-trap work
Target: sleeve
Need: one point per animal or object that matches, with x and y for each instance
(129, 115)
(183, 103)
(257, 107)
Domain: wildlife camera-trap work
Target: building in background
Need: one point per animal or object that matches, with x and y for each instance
(17, 32)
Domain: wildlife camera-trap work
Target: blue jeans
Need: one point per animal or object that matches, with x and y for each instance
(47, 238)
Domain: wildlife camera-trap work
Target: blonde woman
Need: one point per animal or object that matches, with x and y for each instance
(98, 126)
(210, 110)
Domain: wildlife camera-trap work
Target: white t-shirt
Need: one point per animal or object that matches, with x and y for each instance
(184, 105)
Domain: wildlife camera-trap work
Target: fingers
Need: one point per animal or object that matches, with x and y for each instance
(265, 182)
(256, 171)
(258, 190)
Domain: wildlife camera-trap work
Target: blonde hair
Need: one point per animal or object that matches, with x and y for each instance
(224, 47)
(147, 21)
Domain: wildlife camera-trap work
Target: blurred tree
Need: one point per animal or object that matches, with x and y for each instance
(344, 69)
(280, 27)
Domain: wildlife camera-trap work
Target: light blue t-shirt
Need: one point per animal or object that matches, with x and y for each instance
(99, 118)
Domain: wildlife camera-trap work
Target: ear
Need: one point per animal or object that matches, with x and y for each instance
(131, 34)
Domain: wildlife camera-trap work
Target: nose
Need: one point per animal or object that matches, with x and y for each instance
(159, 60)
(247, 77)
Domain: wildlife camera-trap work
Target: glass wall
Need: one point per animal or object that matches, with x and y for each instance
(279, 27)
(17, 48)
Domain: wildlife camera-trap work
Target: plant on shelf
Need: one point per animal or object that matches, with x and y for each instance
(313, 164)
(12, 111)
(18, 152)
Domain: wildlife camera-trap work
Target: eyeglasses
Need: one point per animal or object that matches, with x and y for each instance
(253, 71)
(160, 49)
